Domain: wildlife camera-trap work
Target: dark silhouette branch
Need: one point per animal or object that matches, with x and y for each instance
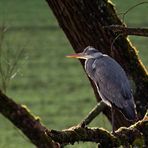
(42, 137)
(128, 31)
(98, 135)
(30, 125)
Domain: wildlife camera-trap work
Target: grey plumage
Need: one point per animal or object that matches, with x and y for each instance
(111, 81)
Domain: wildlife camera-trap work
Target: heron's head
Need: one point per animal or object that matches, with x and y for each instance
(88, 53)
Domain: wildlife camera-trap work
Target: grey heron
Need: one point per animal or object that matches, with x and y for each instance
(111, 81)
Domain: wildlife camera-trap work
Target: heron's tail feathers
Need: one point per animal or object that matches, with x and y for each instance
(129, 110)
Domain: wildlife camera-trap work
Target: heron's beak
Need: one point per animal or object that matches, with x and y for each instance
(77, 55)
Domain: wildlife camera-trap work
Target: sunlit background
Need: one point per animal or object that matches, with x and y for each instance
(50, 85)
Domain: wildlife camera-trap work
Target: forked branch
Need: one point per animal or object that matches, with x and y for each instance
(42, 137)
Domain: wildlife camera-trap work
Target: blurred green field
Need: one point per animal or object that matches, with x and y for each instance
(52, 86)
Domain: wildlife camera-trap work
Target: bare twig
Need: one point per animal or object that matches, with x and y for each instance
(131, 8)
(128, 31)
(8, 62)
(113, 42)
(93, 113)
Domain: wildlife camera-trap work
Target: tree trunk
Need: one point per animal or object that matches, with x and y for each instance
(83, 23)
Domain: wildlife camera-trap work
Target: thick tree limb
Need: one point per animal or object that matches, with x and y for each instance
(122, 136)
(128, 31)
(21, 117)
(45, 138)
(83, 23)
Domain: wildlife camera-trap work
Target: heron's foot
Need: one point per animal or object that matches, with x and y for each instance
(113, 133)
(82, 124)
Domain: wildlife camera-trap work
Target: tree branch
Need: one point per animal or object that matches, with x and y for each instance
(83, 23)
(128, 30)
(30, 125)
(93, 114)
(98, 135)
(42, 137)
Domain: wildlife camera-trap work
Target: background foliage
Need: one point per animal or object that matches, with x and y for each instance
(53, 87)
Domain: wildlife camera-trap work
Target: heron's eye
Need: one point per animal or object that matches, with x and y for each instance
(92, 51)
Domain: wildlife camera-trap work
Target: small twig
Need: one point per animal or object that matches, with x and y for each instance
(128, 30)
(93, 113)
(8, 62)
(112, 45)
(129, 9)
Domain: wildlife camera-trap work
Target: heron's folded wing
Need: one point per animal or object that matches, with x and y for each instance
(112, 81)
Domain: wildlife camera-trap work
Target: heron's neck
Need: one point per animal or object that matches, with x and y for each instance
(89, 63)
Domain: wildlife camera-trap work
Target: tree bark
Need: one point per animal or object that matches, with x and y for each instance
(42, 137)
(123, 136)
(30, 125)
(83, 23)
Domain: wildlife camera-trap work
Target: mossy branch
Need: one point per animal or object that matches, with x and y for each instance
(42, 137)
(134, 135)
(93, 114)
(30, 125)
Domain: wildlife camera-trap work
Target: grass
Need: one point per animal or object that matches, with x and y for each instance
(53, 87)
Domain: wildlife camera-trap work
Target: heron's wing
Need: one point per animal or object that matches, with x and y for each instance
(112, 82)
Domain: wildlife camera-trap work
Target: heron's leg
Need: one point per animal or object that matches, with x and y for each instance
(112, 112)
(92, 114)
